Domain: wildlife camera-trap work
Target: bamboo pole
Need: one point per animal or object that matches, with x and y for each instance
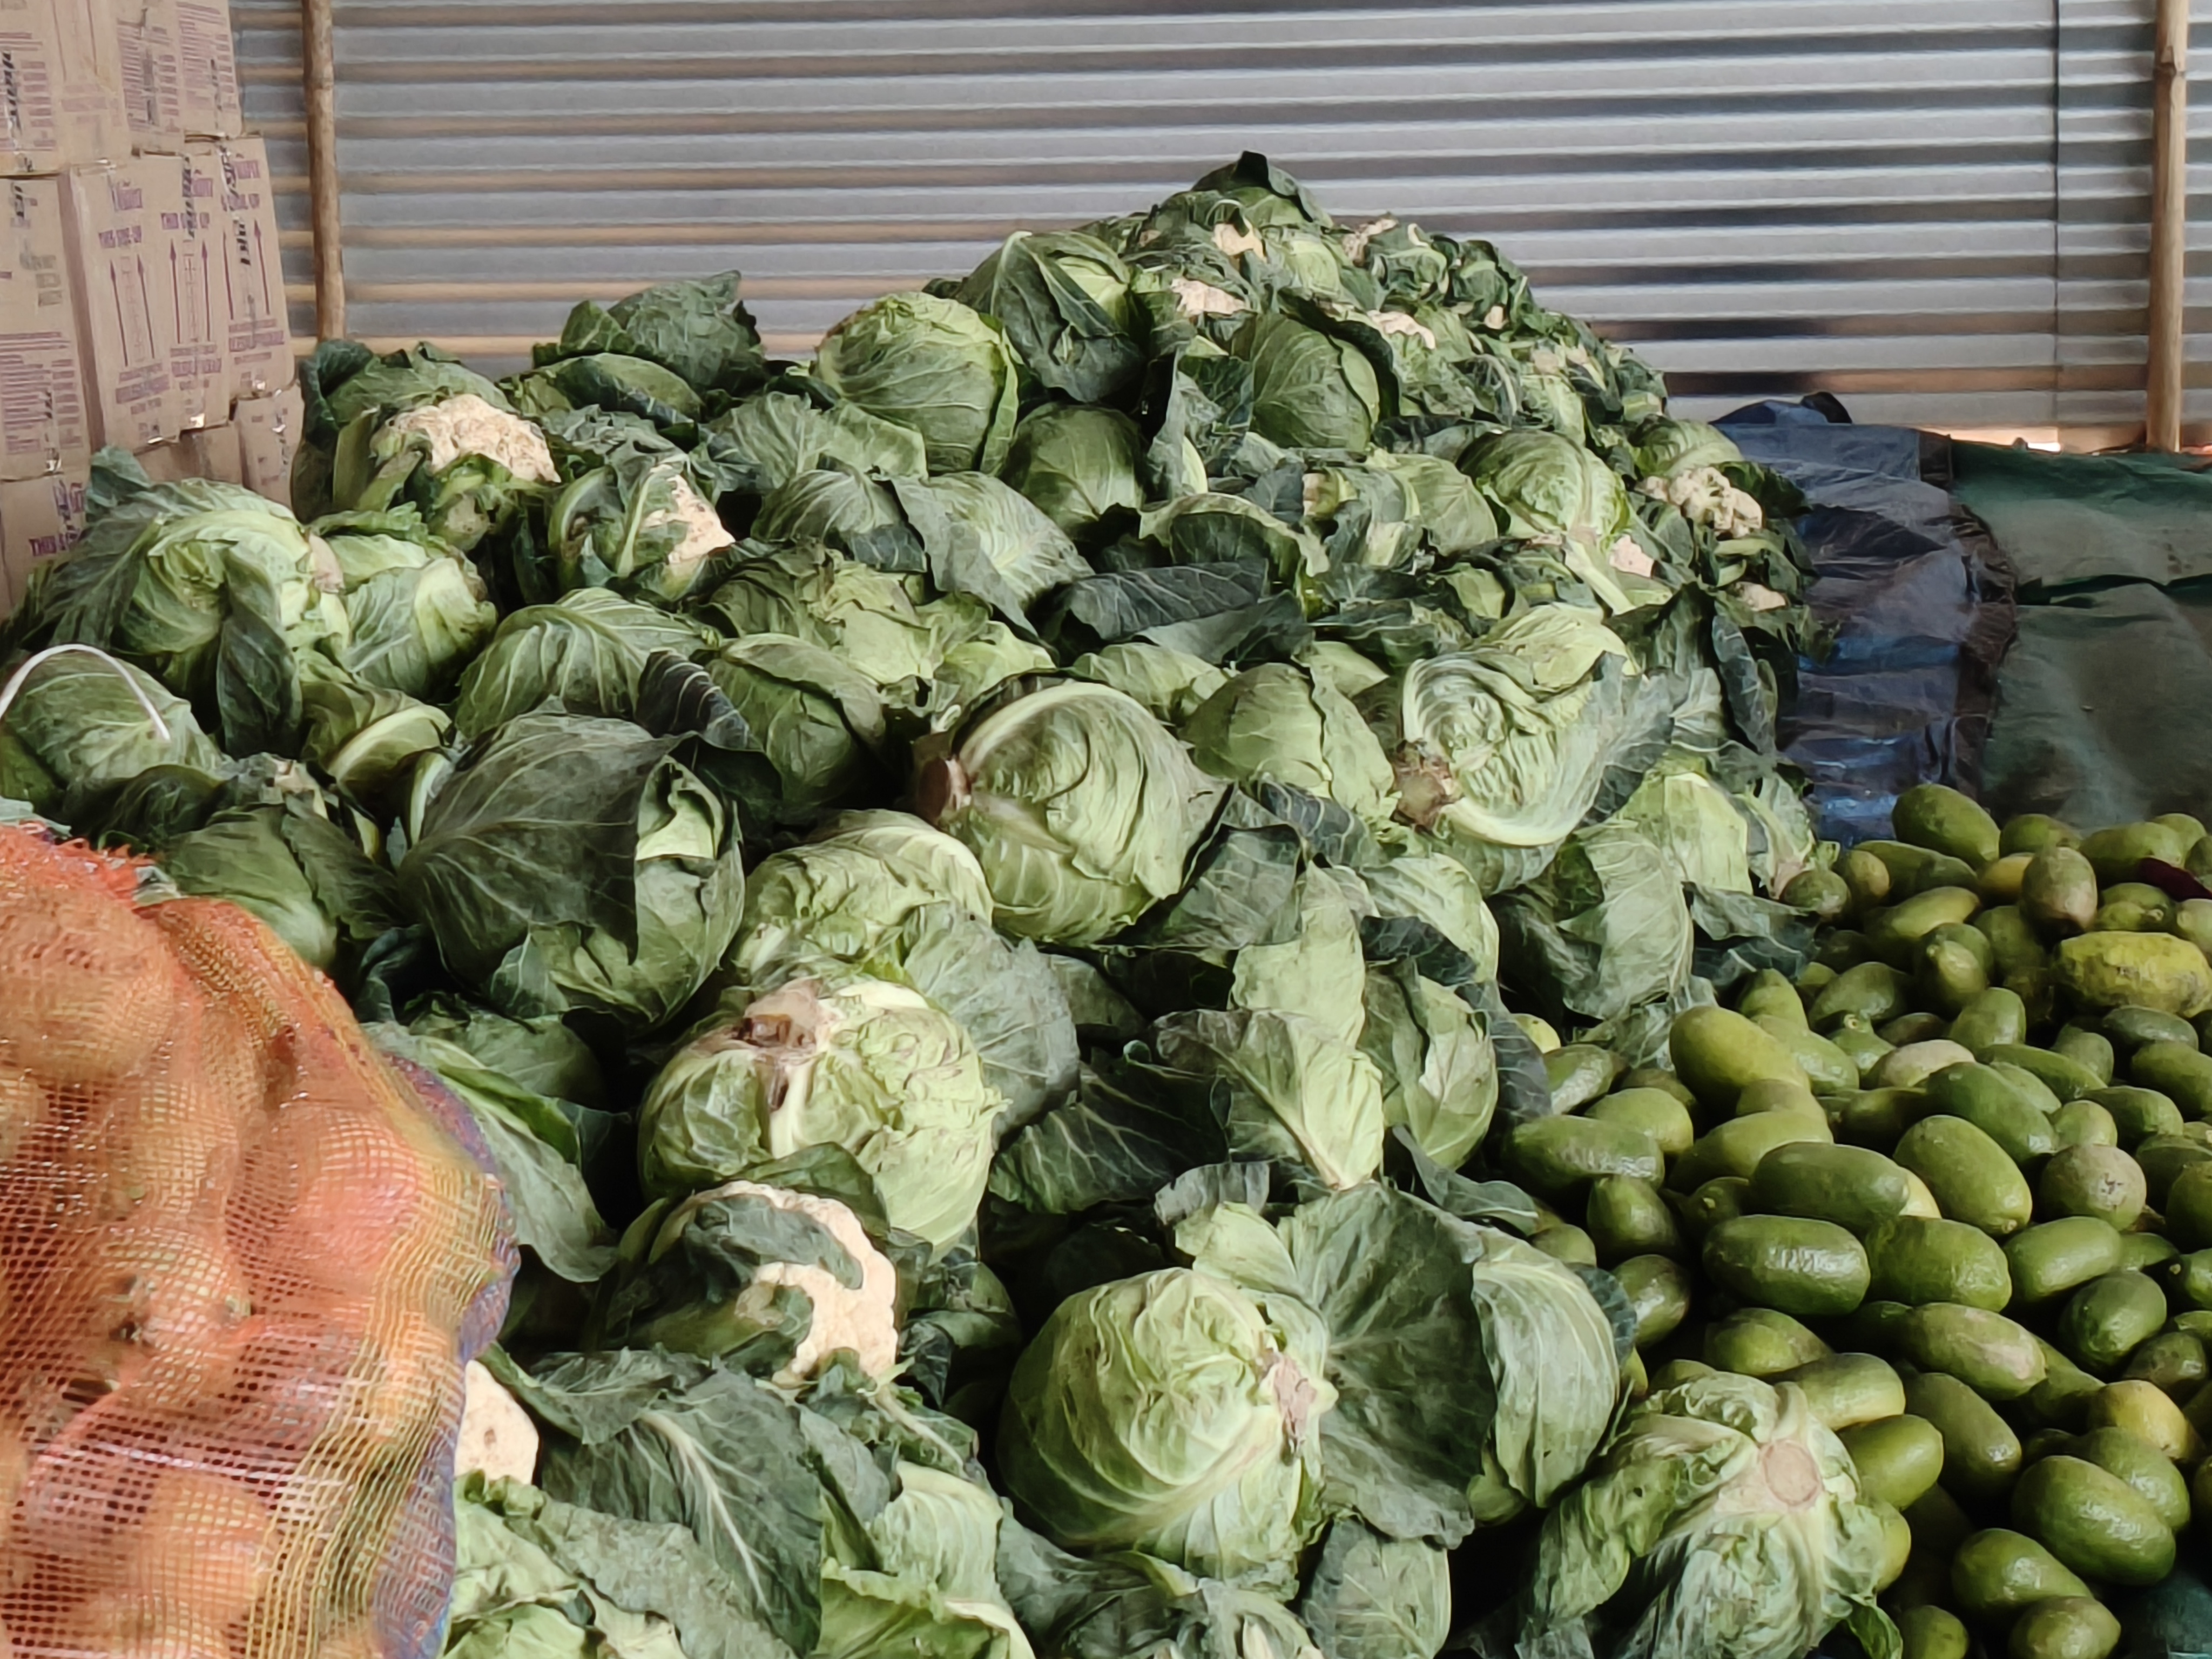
(2169, 227)
(320, 75)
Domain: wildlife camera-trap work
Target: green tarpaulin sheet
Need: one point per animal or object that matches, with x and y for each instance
(2104, 709)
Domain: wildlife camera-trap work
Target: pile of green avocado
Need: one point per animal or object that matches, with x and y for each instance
(1956, 1184)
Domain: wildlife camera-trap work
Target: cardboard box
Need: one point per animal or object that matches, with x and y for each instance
(199, 370)
(119, 274)
(179, 73)
(40, 520)
(43, 423)
(268, 434)
(61, 81)
(211, 452)
(258, 339)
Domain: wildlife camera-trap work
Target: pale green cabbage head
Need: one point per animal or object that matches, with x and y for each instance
(1082, 809)
(932, 365)
(1281, 723)
(1079, 464)
(850, 1062)
(1169, 1413)
(1723, 1522)
(842, 894)
(1544, 484)
(1310, 390)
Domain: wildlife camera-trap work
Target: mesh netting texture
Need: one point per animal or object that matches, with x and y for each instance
(243, 1260)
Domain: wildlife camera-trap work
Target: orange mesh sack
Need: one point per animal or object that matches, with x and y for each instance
(243, 1261)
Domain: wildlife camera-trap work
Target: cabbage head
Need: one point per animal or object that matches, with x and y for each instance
(1289, 726)
(698, 330)
(415, 623)
(1439, 1071)
(1298, 1093)
(210, 587)
(1666, 447)
(81, 726)
(850, 1062)
(1603, 929)
(573, 864)
(1472, 1373)
(781, 434)
(818, 720)
(868, 617)
(883, 892)
(1723, 1522)
(1174, 1413)
(1082, 809)
(1696, 825)
(1310, 390)
(366, 738)
(587, 651)
(1507, 742)
(1063, 298)
(1079, 465)
(842, 894)
(1545, 485)
(1438, 889)
(932, 365)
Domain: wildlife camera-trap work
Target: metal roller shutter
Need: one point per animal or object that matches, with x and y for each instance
(1912, 205)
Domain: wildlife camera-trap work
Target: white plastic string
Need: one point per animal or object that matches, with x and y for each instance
(9, 691)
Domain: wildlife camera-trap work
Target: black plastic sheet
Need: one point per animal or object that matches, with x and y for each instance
(1919, 601)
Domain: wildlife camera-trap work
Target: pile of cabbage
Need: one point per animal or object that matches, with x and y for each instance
(993, 894)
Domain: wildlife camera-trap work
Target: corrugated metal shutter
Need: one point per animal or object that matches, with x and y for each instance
(1767, 198)
(2104, 183)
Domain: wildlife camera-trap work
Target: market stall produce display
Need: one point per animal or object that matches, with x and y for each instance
(1006, 904)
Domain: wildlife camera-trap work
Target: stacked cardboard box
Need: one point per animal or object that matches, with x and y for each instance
(141, 296)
